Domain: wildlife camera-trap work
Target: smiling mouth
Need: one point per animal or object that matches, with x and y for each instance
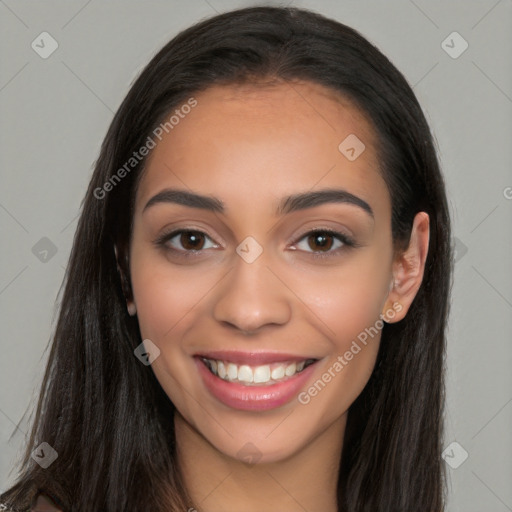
(266, 374)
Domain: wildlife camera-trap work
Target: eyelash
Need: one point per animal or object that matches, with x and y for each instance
(347, 242)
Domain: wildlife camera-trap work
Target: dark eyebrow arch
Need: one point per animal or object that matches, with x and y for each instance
(186, 198)
(289, 204)
(311, 199)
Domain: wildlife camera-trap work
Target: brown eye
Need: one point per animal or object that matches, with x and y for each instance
(186, 241)
(320, 241)
(192, 240)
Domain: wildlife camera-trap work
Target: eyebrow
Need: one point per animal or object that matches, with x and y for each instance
(289, 204)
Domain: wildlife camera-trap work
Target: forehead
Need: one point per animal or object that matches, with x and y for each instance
(266, 141)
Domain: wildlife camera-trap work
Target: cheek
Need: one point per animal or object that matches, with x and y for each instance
(347, 304)
(166, 296)
(170, 303)
(347, 299)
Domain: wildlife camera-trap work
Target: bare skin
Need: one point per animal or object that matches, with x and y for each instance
(250, 147)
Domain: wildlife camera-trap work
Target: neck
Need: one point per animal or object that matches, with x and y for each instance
(306, 480)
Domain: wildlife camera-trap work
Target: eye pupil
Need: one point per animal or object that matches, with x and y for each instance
(192, 240)
(321, 240)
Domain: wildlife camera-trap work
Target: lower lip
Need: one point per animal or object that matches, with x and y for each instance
(253, 398)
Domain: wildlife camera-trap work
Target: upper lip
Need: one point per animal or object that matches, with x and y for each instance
(252, 358)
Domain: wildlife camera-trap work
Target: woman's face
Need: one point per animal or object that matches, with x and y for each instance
(288, 260)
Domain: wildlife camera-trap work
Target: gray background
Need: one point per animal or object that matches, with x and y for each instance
(55, 113)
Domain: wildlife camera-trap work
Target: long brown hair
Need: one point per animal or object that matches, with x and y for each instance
(107, 416)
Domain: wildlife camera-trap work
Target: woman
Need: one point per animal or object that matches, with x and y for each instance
(255, 305)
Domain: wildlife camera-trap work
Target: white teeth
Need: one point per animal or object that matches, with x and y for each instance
(278, 373)
(290, 370)
(221, 370)
(245, 373)
(232, 371)
(264, 374)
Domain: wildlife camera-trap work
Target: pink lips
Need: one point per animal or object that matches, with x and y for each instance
(252, 398)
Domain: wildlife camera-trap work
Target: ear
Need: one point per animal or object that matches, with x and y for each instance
(125, 283)
(408, 270)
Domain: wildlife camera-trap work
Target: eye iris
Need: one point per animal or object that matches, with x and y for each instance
(321, 240)
(192, 240)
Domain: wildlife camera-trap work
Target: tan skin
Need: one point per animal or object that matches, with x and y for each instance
(250, 147)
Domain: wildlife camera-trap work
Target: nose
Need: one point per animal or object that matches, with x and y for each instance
(251, 298)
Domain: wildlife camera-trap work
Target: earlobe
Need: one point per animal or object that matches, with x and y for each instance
(130, 306)
(409, 268)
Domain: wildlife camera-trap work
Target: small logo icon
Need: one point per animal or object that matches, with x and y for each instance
(351, 147)
(249, 250)
(249, 453)
(44, 455)
(460, 250)
(44, 250)
(454, 455)
(507, 192)
(44, 45)
(454, 45)
(147, 352)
